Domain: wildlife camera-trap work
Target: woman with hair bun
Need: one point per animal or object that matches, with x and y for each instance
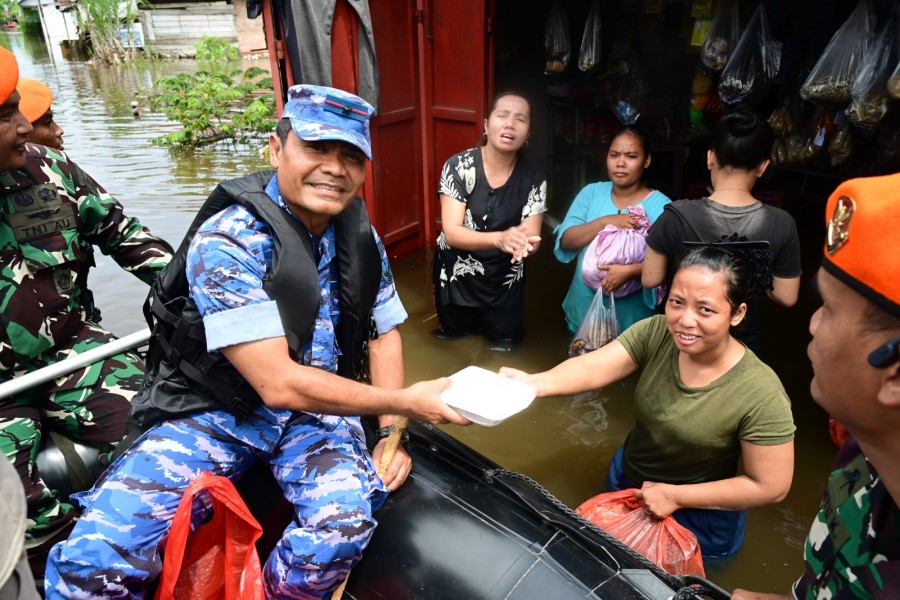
(703, 403)
(741, 145)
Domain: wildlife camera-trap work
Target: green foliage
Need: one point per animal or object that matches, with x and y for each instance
(215, 49)
(30, 21)
(8, 10)
(107, 24)
(215, 106)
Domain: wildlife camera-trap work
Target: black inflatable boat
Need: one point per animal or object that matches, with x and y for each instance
(463, 528)
(460, 528)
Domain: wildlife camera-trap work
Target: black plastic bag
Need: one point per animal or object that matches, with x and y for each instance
(830, 80)
(589, 57)
(722, 37)
(870, 86)
(753, 65)
(556, 40)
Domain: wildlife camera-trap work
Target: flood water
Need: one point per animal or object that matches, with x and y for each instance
(563, 443)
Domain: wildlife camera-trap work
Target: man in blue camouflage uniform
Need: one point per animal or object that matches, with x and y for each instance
(51, 215)
(304, 423)
(853, 547)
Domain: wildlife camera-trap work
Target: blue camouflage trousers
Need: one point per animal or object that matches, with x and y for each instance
(323, 468)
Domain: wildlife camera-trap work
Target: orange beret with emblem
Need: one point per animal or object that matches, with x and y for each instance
(35, 98)
(9, 74)
(862, 242)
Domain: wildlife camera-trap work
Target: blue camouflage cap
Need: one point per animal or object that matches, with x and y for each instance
(324, 113)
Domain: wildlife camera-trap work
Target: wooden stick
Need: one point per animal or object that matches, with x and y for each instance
(393, 441)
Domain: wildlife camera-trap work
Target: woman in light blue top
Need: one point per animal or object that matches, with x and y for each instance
(606, 203)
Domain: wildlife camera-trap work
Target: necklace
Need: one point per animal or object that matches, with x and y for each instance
(731, 190)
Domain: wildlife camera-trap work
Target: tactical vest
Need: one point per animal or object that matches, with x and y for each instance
(45, 265)
(182, 377)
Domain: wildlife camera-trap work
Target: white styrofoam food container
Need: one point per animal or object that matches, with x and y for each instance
(486, 398)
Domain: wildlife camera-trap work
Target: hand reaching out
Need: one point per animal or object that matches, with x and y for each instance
(423, 403)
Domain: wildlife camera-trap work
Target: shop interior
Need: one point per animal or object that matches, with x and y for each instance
(652, 66)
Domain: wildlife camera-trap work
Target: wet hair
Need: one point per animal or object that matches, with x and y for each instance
(735, 268)
(283, 129)
(742, 140)
(640, 133)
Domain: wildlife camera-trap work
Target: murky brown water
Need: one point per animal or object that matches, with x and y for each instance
(564, 443)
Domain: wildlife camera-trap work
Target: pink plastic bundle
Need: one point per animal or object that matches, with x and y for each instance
(614, 246)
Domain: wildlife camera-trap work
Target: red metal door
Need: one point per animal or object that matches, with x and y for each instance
(434, 61)
(435, 64)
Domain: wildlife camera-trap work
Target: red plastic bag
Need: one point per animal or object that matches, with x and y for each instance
(837, 432)
(218, 559)
(666, 543)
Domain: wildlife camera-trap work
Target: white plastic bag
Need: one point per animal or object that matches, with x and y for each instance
(556, 40)
(753, 65)
(831, 79)
(599, 327)
(589, 57)
(870, 86)
(722, 36)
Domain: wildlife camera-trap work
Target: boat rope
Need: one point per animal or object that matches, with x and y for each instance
(688, 587)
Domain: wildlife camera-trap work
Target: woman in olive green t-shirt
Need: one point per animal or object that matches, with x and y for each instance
(703, 401)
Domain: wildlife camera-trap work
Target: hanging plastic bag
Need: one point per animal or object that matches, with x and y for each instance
(870, 85)
(589, 57)
(628, 98)
(831, 79)
(893, 84)
(753, 65)
(840, 148)
(664, 542)
(556, 40)
(218, 559)
(599, 327)
(614, 246)
(721, 39)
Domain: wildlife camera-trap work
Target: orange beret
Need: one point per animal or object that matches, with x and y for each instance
(863, 220)
(9, 74)
(34, 98)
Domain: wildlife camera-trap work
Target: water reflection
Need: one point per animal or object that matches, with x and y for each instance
(564, 443)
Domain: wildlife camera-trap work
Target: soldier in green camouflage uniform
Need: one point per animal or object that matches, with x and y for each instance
(53, 213)
(841, 563)
(853, 547)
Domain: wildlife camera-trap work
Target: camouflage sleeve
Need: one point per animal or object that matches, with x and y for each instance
(105, 225)
(227, 261)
